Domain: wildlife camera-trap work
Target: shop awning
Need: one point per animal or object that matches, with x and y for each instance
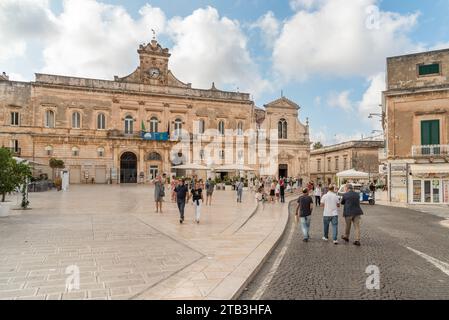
(429, 169)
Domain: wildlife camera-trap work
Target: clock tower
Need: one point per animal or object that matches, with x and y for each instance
(153, 68)
(153, 63)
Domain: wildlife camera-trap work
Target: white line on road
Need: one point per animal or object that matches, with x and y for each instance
(443, 266)
(266, 282)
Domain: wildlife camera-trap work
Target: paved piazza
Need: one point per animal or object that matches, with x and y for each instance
(410, 248)
(124, 250)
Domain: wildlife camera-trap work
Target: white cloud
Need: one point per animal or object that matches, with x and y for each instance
(371, 100)
(269, 27)
(317, 100)
(305, 4)
(21, 22)
(340, 100)
(326, 138)
(98, 40)
(212, 48)
(341, 38)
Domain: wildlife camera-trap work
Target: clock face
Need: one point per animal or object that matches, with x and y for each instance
(154, 73)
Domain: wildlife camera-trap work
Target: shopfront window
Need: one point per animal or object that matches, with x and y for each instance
(417, 190)
(436, 191)
(427, 191)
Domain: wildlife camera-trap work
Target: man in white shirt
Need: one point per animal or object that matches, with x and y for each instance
(330, 214)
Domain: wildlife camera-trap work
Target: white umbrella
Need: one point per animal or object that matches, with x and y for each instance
(352, 174)
(191, 166)
(233, 167)
(20, 160)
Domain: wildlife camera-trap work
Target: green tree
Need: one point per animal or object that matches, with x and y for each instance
(56, 164)
(317, 145)
(12, 173)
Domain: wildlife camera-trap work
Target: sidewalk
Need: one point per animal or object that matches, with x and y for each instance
(126, 251)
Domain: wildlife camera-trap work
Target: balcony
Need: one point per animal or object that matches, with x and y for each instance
(430, 151)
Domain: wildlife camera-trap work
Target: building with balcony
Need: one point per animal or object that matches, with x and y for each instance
(416, 106)
(362, 155)
(95, 126)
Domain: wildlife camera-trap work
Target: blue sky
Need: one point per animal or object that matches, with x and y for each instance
(326, 55)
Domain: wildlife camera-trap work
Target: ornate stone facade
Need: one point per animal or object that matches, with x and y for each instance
(94, 125)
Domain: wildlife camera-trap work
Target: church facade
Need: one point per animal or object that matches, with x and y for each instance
(125, 130)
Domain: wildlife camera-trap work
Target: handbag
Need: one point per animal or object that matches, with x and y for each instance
(163, 191)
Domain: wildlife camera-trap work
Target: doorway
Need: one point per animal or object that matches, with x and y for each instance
(283, 171)
(128, 168)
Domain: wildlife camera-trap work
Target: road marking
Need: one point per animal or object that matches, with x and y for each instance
(266, 282)
(443, 266)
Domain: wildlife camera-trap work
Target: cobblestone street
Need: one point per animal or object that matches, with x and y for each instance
(410, 248)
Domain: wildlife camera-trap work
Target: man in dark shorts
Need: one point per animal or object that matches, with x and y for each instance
(182, 195)
(304, 211)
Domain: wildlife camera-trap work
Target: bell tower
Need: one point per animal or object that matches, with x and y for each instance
(153, 63)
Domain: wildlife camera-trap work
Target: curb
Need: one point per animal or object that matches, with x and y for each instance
(239, 278)
(278, 233)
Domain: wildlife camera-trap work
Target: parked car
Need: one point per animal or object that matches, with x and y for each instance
(365, 194)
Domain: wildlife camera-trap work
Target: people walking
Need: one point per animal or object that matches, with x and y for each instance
(330, 214)
(239, 187)
(182, 195)
(318, 193)
(282, 189)
(352, 213)
(197, 197)
(173, 185)
(272, 191)
(159, 193)
(210, 185)
(304, 212)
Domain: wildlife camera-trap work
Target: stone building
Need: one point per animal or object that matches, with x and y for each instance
(361, 155)
(416, 107)
(95, 125)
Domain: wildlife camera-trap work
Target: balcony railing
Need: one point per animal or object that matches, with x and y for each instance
(431, 151)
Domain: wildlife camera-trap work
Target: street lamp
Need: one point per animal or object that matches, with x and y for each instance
(372, 115)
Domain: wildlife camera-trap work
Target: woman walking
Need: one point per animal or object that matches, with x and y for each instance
(159, 193)
(318, 193)
(197, 197)
(272, 191)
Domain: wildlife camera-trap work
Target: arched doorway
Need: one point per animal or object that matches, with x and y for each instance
(128, 168)
(283, 171)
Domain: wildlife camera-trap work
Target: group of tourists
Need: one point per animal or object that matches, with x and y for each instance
(267, 189)
(272, 190)
(352, 212)
(181, 192)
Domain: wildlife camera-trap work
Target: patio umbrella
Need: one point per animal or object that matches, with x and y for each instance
(20, 160)
(233, 167)
(191, 166)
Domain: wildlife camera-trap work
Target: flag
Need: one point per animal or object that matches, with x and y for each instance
(143, 126)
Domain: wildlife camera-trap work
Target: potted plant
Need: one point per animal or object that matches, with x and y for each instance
(13, 175)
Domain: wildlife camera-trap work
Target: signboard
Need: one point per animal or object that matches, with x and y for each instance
(383, 169)
(398, 168)
(155, 136)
